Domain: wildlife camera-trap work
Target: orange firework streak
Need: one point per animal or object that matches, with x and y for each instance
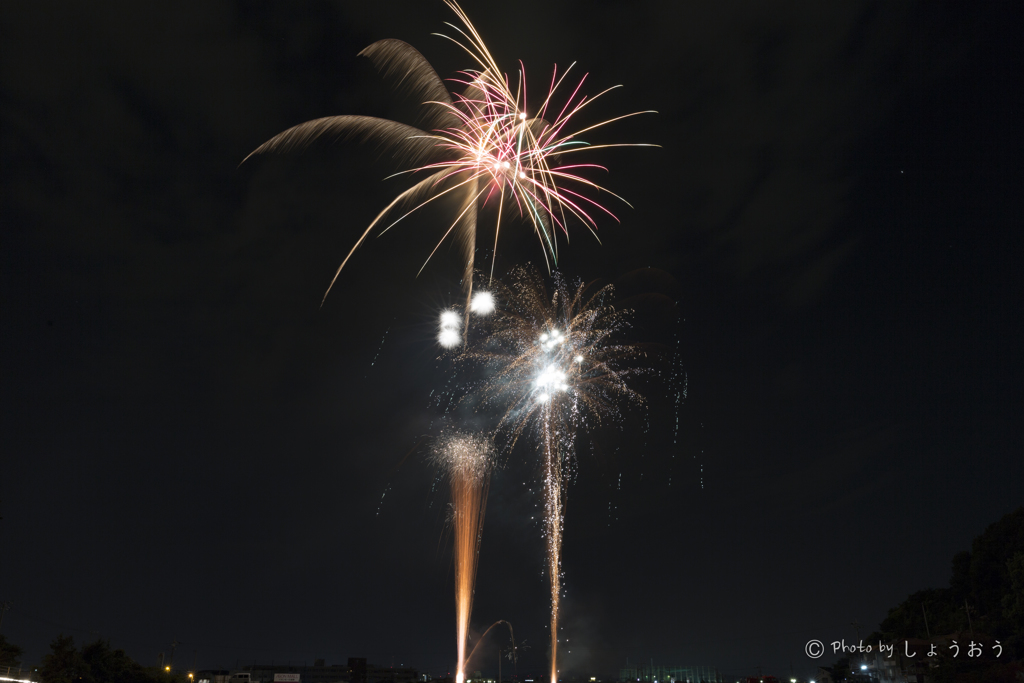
(468, 461)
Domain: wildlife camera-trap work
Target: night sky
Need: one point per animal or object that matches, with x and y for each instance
(193, 449)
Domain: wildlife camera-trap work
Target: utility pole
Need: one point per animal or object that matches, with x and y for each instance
(856, 627)
(4, 606)
(926, 629)
(499, 664)
(174, 644)
(967, 608)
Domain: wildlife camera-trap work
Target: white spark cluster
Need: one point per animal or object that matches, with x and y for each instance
(550, 357)
(550, 341)
(550, 380)
(448, 332)
(482, 303)
(450, 319)
(467, 456)
(448, 335)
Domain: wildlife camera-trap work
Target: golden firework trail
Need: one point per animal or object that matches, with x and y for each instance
(467, 460)
(483, 146)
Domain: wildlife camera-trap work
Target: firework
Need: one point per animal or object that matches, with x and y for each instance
(448, 330)
(558, 353)
(483, 146)
(554, 360)
(554, 366)
(482, 303)
(467, 460)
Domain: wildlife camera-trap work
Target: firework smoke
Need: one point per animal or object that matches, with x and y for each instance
(483, 147)
(467, 460)
(554, 366)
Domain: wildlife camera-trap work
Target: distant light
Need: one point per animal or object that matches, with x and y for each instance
(167, 668)
(863, 667)
(482, 303)
(449, 338)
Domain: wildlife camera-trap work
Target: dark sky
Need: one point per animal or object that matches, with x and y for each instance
(194, 450)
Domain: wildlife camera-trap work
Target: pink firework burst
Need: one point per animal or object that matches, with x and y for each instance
(482, 146)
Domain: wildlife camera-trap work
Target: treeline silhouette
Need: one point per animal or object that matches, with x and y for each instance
(95, 662)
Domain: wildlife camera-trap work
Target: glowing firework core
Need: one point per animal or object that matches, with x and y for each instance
(550, 341)
(449, 339)
(450, 320)
(448, 336)
(482, 303)
(551, 379)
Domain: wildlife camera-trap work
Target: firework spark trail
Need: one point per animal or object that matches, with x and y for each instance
(554, 519)
(483, 144)
(554, 367)
(467, 460)
(512, 655)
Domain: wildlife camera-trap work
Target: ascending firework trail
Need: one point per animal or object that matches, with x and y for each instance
(467, 460)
